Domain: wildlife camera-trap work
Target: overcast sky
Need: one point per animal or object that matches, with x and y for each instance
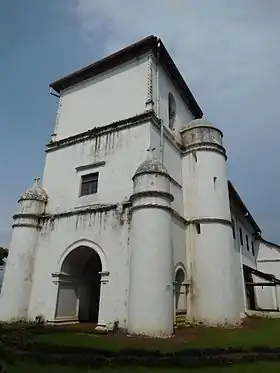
(228, 52)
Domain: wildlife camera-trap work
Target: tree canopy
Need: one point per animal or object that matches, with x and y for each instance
(3, 255)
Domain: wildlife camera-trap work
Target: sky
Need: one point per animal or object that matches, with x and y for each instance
(228, 52)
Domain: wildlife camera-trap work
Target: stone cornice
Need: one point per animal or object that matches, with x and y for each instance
(80, 211)
(152, 193)
(90, 166)
(210, 147)
(199, 126)
(103, 130)
(26, 216)
(137, 120)
(125, 205)
(210, 220)
(26, 225)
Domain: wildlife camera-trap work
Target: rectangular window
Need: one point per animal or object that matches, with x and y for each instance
(233, 229)
(241, 236)
(247, 242)
(89, 184)
(253, 248)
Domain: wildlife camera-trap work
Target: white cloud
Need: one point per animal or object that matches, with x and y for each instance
(228, 53)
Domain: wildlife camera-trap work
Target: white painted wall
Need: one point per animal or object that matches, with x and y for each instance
(243, 256)
(268, 261)
(213, 264)
(173, 163)
(114, 95)
(265, 295)
(183, 115)
(104, 234)
(122, 151)
(18, 279)
(151, 298)
(240, 222)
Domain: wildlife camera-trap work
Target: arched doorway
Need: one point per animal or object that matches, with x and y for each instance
(79, 286)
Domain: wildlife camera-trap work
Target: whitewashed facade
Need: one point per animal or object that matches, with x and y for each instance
(117, 234)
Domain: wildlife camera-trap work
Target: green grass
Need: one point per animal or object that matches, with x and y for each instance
(262, 367)
(265, 333)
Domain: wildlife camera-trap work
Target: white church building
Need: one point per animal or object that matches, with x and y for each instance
(136, 222)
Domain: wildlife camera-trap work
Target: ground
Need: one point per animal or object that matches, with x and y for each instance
(257, 342)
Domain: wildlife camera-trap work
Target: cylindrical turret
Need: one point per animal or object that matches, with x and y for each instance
(17, 284)
(150, 307)
(212, 261)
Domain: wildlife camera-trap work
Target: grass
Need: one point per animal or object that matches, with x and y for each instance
(254, 333)
(244, 368)
(265, 332)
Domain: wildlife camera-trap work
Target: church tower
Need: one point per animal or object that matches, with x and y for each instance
(17, 284)
(212, 260)
(150, 306)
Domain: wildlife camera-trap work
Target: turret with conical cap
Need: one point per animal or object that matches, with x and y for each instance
(150, 306)
(17, 283)
(210, 250)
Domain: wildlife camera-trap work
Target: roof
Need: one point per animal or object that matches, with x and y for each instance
(151, 165)
(34, 193)
(235, 197)
(151, 43)
(273, 244)
(266, 276)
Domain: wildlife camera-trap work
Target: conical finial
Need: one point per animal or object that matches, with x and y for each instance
(36, 182)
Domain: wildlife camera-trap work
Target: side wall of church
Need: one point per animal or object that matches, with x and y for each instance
(105, 232)
(268, 261)
(111, 96)
(243, 252)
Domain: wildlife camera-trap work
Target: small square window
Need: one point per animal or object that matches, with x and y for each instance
(247, 242)
(241, 236)
(89, 184)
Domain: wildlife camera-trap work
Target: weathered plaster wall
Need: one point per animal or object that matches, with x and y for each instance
(172, 162)
(117, 94)
(183, 115)
(104, 232)
(268, 261)
(122, 151)
(265, 296)
(213, 264)
(240, 222)
(242, 254)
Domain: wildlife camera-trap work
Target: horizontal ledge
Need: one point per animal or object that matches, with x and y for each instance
(268, 260)
(25, 225)
(210, 220)
(204, 147)
(152, 193)
(90, 166)
(103, 129)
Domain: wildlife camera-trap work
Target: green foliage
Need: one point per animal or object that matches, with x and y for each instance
(3, 255)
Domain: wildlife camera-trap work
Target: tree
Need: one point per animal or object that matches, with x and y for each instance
(3, 255)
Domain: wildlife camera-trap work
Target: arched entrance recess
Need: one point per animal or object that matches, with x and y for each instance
(79, 285)
(180, 290)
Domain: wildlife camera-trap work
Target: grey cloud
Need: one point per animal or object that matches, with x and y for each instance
(228, 53)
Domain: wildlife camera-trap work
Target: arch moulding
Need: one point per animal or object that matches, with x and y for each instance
(88, 243)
